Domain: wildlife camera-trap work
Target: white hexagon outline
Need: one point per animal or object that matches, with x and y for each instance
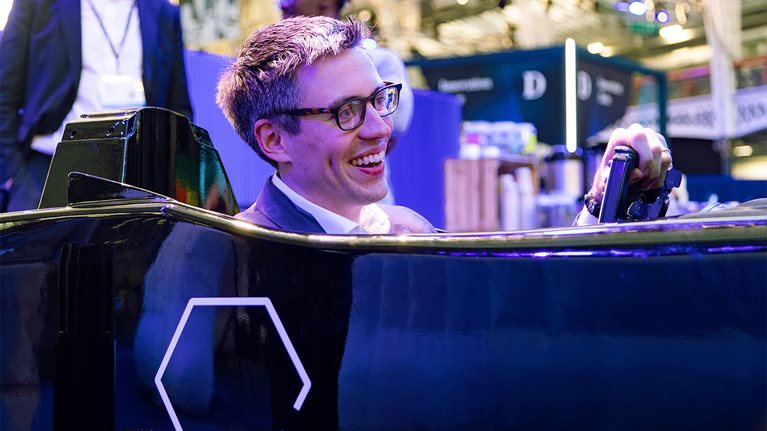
(221, 302)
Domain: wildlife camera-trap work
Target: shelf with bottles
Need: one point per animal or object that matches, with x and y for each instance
(490, 151)
(473, 192)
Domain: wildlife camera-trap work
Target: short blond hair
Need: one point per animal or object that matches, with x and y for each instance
(263, 79)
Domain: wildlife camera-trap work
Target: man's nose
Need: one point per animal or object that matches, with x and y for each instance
(374, 125)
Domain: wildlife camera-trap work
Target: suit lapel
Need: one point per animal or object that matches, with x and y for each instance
(68, 13)
(278, 208)
(149, 16)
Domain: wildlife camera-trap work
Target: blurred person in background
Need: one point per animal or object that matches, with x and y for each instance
(389, 66)
(60, 59)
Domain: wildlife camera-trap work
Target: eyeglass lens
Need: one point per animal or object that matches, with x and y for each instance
(352, 113)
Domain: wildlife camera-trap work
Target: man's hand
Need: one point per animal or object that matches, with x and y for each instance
(404, 220)
(654, 159)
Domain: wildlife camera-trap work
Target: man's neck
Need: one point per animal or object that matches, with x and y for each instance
(371, 218)
(351, 212)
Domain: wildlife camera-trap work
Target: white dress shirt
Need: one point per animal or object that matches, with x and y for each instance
(99, 60)
(373, 219)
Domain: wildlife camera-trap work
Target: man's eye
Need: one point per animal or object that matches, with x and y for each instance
(347, 111)
(382, 100)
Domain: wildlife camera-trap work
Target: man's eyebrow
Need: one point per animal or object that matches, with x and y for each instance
(341, 100)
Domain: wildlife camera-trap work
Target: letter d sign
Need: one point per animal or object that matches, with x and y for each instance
(534, 84)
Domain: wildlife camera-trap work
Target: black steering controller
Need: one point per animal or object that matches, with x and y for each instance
(624, 203)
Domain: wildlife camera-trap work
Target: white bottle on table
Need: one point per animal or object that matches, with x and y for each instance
(509, 205)
(528, 219)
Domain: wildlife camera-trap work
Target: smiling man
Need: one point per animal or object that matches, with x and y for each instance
(307, 98)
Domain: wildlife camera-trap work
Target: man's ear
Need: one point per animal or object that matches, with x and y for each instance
(269, 138)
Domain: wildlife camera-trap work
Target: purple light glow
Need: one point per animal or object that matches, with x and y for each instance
(741, 249)
(622, 6)
(667, 250)
(662, 16)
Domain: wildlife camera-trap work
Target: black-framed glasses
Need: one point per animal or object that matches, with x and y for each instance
(351, 113)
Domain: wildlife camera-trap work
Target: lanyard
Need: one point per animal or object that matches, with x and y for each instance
(115, 51)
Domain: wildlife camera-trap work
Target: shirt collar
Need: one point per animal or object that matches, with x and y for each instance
(330, 221)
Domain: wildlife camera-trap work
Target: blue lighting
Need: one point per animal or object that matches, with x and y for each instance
(662, 16)
(622, 6)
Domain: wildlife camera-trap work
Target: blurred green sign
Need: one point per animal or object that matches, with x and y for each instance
(644, 27)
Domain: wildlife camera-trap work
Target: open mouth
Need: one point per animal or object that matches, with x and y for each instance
(370, 161)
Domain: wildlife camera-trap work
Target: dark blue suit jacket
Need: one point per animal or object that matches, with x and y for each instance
(274, 210)
(41, 60)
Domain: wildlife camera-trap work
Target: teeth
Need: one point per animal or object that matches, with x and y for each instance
(369, 160)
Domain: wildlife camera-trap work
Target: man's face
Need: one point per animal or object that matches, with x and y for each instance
(311, 8)
(326, 164)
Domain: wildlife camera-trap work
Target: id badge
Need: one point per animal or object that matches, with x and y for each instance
(121, 91)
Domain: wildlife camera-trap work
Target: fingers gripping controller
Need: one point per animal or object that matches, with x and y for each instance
(615, 200)
(622, 203)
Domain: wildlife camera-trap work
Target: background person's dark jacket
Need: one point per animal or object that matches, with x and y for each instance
(41, 61)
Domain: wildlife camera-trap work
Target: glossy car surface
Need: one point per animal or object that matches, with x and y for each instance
(657, 325)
